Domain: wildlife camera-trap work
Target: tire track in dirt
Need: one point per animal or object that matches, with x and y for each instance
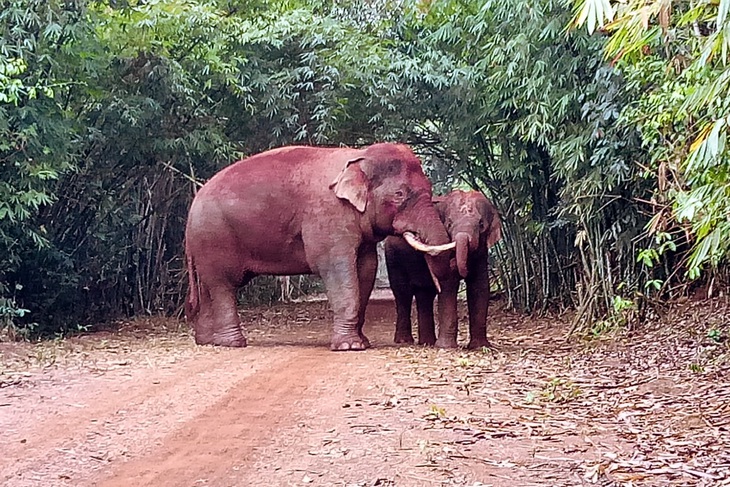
(224, 437)
(94, 420)
(203, 416)
(80, 403)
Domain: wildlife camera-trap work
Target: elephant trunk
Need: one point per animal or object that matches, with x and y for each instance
(462, 253)
(423, 220)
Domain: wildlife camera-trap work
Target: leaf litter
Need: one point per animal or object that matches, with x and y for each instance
(648, 407)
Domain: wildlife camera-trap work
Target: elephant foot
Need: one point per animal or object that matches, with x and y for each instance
(406, 338)
(479, 343)
(364, 340)
(231, 339)
(446, 343)
(341, 343)
(428, 341)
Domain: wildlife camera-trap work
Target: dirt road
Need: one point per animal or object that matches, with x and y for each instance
(146, 407)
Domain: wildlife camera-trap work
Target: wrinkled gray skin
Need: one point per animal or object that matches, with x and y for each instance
(473, 223)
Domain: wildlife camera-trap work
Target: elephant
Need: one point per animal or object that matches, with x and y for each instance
(474, 225)
(306, 210)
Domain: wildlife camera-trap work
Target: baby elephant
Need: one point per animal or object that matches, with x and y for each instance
(473, 223)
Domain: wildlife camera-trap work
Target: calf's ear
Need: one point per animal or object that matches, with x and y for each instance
(352, 185)
(495, 230)
(493, 221)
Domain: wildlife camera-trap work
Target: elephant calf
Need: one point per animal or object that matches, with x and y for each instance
(473, 223)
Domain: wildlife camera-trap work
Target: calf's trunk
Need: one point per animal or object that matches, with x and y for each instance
(462, 253)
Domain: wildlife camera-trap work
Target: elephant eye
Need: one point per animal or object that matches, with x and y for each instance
(399, 194)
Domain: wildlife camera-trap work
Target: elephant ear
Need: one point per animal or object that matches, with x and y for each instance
(352, 185)
(491, 216)
(495, 230)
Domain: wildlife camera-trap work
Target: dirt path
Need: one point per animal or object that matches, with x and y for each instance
(224, 436)
(146, 407)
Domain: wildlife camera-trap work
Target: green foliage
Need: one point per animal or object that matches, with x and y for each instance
(622, 314)
(36, 134)
(696, 368)
(112, 114)
(677, 55)
(10, 312)
(139, 102)
(715, 334)
(479, 99)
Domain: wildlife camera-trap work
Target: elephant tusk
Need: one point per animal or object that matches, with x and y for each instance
(429, 249)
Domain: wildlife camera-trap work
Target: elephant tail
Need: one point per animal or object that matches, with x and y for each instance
(192, 303)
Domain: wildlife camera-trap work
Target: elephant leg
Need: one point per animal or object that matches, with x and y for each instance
(403, 301)
(403, 326)
(426, 324)
(402, 293)
(218, 322)
(477, 297)
(339, 273)
(448, 315)
(367, 268)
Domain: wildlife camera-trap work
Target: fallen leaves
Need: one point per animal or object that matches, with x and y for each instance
(650, 407)
(633, 402)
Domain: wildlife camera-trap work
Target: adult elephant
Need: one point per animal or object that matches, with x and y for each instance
(473, 223)
(304, 210)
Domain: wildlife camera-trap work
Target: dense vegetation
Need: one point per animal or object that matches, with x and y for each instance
(605, 152)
